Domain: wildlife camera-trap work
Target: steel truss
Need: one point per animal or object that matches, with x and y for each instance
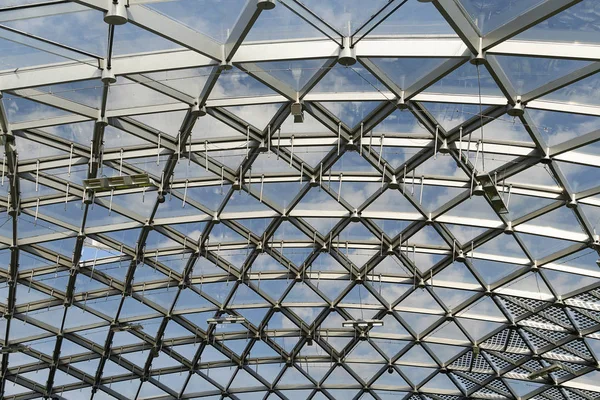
(533, 328)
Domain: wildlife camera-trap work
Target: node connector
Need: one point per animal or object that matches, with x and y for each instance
(347, 55)
(116, 13)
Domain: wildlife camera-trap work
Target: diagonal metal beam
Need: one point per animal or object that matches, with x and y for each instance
(14, 209)
(461, 23)
(165, 27)
(526, 20)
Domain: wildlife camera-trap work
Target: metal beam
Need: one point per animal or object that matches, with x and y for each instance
(526, 20)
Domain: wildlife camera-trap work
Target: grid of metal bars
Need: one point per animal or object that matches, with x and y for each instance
(535, 328)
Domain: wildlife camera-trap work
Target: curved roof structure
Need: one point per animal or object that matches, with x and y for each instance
(300, 199)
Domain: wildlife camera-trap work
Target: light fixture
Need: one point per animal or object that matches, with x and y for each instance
(347, 55)
(518, 110)
(362, 323)
(390, 370)
(492, 193)
(13, 348)
(544, 371)
(118, 182)
(126, 327)
(116, 13)
(460, 256)
(508, 229)
(226, 320)
(297, 112)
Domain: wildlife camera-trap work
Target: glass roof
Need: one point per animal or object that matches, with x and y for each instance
(344, 199)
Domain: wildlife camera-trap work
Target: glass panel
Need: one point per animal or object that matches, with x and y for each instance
(92, 31)
(126, 94)
(346, 16)
(581, 92)
(577, 23)
(341, 79)
(189, 81)
(406, 71)
(88, 92)
(206, 16)
(19, 109)
(281, 23)
(351, 113)
(465, 80)
(295, 73)
(529, 73)
(491, 14)
(17, 55)
(130, 39)
(414, 18)
(236, 83)
(557, 127)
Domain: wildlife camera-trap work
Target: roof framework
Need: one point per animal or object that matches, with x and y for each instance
(366, 210)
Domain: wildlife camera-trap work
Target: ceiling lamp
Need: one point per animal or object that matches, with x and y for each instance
(541, 373)
(116, 13)
(492, 193)
(362, 326)
(355, 217)
(13, 348)
(126, 327)
(226, 320)
(118, 182)
(362, 323)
